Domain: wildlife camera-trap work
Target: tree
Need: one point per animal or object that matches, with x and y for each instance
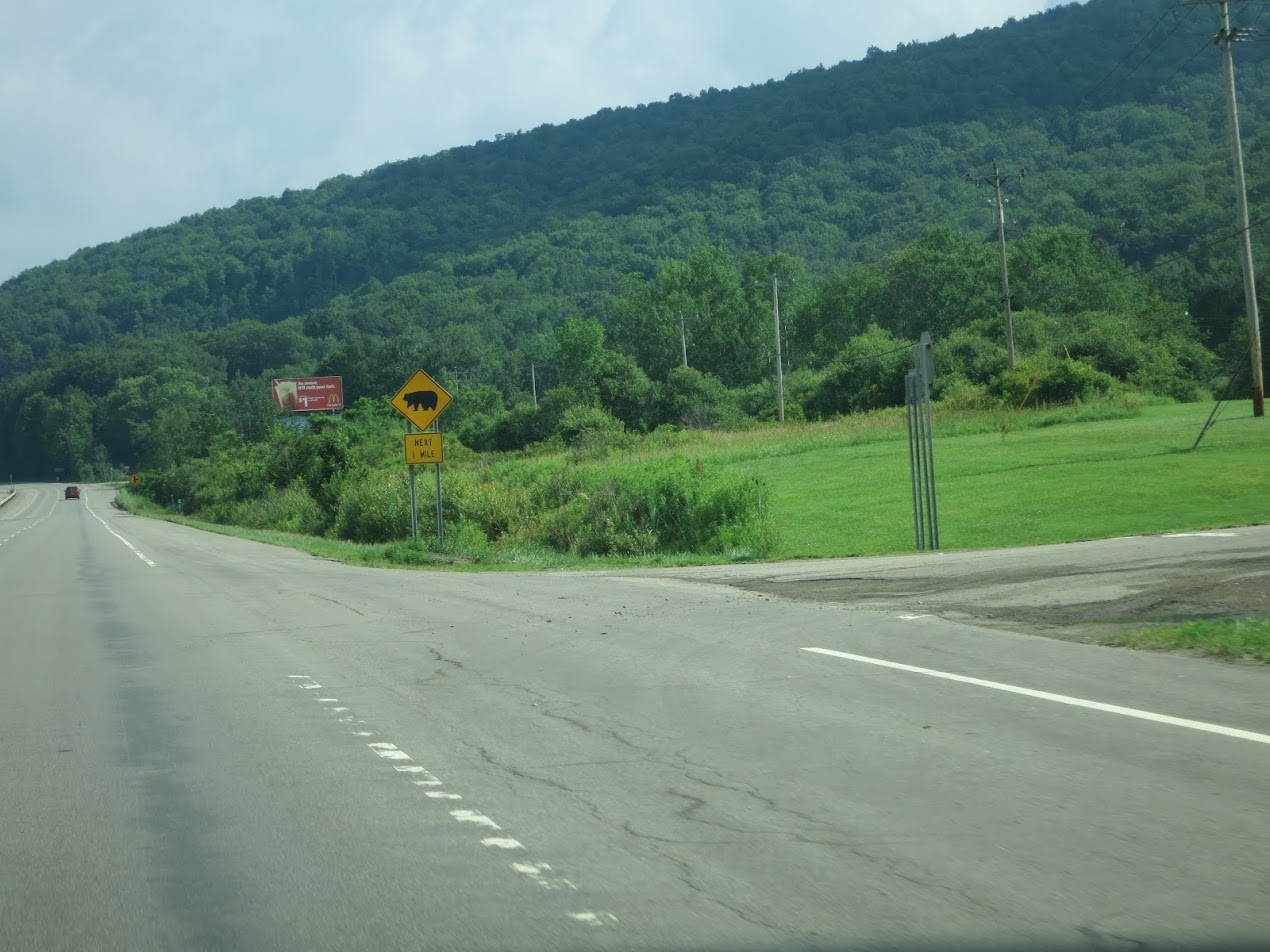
(942, 281)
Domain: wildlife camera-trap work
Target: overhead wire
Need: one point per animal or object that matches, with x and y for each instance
(1090, 133)
(1170, 9)
(1180, 256)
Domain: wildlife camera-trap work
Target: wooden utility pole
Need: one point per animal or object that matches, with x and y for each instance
(1226, 36)
(996, 180)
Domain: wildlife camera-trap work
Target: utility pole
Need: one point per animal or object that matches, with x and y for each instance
(533, 382)
(996, 181)
(683, 340)
(1226, 36)
(780, 370)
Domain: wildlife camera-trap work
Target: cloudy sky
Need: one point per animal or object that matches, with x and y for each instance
(124, 115)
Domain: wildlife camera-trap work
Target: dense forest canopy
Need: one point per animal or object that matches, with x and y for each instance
(565, 255)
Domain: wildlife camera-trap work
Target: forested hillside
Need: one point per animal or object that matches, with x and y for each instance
(574, 248)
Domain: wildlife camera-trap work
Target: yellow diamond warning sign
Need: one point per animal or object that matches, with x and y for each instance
(424, 448)
(421, 400)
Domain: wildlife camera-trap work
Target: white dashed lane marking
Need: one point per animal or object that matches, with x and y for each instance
(503, 843)
(29, 526)
(538, 873)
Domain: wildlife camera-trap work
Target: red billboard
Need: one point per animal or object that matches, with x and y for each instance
(309, 394)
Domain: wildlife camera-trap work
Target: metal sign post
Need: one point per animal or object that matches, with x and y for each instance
(414, 500)
(440, 518)
(421, 400)
(921, 445)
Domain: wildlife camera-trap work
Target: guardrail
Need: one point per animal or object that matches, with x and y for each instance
(8, 497)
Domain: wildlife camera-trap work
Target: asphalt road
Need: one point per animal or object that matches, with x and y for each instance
(207, 743)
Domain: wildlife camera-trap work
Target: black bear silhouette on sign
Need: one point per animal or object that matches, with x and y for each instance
(421, 400)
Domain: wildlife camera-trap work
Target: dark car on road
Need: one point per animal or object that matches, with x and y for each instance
(72, 492)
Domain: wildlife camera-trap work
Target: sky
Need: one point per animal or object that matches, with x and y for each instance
(120, 116)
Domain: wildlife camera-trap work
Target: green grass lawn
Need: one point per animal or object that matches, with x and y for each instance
(1238, 639)
(851, 495)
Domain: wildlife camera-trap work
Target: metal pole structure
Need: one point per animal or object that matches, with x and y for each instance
(683, 340)
(932, 510)
(414, 500)
(533, 382)
(780, 370)
(910, 392)
(440, 518)
(920, 411)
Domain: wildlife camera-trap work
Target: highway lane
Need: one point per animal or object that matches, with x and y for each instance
(593, 760)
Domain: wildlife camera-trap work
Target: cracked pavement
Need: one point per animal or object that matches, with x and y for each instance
(658, 740)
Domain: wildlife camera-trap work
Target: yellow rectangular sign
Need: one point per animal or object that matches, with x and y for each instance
(424, 448)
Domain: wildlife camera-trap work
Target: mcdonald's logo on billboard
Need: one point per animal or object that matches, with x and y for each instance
(308, 394)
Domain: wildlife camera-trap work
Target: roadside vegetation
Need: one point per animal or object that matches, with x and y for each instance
(1238, 639)
(1006, 477)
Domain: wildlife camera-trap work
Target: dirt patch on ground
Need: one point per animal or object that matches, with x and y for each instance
(1073, 602)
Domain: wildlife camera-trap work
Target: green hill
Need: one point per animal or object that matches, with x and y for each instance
(470, 260)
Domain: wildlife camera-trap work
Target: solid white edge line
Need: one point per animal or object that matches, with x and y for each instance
(135, 550)
(1058, 698)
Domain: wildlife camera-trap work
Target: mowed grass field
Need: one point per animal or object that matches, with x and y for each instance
(840, 489)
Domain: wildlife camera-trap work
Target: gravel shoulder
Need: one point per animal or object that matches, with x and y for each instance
(1083, 591)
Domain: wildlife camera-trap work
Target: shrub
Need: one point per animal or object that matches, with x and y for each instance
(697, 401)
(1038, 381)
(290, 510)
(583, 427)
(374, 507)
(631, 510)
(957, 393)
(867, 375)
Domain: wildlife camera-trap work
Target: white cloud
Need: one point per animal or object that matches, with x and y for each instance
(122, 116)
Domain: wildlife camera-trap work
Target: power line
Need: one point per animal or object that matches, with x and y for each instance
(1188, 253)
(883, 353)
(1177, 22)
(1084, 139)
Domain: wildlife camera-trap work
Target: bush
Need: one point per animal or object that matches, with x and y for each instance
(583, 427)
(1038, 381)
(698, 401)
(958, 394)
(867, 375)
(621, 510)
(970, 353)
(495, 507)
(288, 510)
(374, 507)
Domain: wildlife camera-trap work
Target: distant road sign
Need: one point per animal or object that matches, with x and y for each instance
(309, 394)
(424, 448)
(134, 479)
(421, 400)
